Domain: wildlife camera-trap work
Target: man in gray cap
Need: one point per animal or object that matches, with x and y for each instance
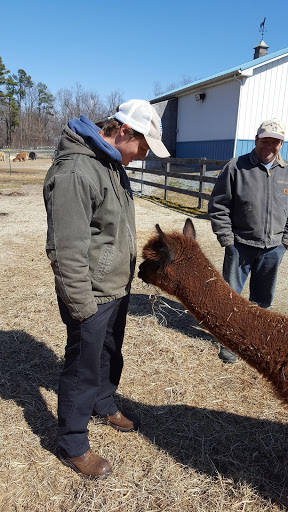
(91, 244)
(248, 209)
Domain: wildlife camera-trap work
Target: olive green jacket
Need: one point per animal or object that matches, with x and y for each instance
(91, 236)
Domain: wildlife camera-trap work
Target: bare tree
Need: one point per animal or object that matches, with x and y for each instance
(36, 117)
(30, 115)
(113, 100)
(186, 79)
(157, 89)
(72, 103)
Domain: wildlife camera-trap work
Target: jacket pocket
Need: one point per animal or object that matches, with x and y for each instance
(242, 212)
(104, 263)
(249, 222)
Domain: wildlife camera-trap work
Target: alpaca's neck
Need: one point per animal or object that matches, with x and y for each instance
(234, 321)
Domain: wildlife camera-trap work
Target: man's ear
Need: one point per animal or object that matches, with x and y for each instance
(124, 129)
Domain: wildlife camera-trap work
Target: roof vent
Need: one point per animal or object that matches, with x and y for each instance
(260, 50)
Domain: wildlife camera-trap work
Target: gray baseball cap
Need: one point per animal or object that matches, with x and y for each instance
(272, 128)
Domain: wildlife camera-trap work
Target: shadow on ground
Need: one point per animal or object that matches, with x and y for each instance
(168, 312)
(216, 442)
(211, 442)
(27, 364)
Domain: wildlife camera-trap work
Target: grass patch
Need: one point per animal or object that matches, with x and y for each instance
(4, 186)
(179, 207)
(212, 437)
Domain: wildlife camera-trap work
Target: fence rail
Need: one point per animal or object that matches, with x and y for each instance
(188, 169)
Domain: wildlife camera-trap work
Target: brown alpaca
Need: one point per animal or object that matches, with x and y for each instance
(175, 263)
(21, 157)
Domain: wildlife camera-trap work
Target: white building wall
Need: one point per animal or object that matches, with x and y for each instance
(213, 119)
(263, 96)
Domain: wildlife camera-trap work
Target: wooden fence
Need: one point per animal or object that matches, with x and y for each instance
(188, 169)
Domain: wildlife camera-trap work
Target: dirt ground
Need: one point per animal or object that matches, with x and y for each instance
(213, 437)
(148, 214)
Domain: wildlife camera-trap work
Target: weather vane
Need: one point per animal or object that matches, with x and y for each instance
(262, 27)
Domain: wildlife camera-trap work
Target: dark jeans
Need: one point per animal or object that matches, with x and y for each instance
(91, 373)
(262, 264)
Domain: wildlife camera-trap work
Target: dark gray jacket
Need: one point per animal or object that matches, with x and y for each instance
(250, 204)
(91, 236)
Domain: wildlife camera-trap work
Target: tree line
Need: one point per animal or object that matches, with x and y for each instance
(31, 117)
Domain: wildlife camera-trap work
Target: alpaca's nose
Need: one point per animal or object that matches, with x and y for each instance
(140, 273)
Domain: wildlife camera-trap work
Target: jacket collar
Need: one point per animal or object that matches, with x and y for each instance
(255, 160)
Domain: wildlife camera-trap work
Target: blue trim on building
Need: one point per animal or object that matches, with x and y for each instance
(219, 149)
(211, 149)
(244, 146)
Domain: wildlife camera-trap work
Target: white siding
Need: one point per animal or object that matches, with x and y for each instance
(264, 96)
(213, 119)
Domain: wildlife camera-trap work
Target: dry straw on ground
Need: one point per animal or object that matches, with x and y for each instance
(212, 438)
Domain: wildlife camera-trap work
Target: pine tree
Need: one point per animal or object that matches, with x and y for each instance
(12, 110)
(3, 100)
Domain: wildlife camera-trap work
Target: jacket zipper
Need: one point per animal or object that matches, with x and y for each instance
(268, 209)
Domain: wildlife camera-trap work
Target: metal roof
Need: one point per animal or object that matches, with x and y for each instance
(245, 69)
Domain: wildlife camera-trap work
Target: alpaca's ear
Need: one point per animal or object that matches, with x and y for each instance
(169, 247)
(159, 230)
(189, 229)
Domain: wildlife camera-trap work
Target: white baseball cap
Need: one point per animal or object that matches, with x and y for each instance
(142, 117)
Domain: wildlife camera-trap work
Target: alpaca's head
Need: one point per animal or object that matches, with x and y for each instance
(163, 254)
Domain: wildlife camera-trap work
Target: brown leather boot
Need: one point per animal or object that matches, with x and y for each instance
(120, 422)
(88, 464)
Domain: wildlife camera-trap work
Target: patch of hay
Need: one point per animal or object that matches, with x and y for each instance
(212, 437)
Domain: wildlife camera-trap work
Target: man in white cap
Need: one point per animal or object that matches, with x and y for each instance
(248, 209)
(91, 243)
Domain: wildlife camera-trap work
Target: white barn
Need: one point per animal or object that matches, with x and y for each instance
(218, 117)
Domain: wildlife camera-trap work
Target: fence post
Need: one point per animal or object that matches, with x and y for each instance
(166, 173)
(9, 160)
(202, 173)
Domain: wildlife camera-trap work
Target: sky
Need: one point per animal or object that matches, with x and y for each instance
(128, 46)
